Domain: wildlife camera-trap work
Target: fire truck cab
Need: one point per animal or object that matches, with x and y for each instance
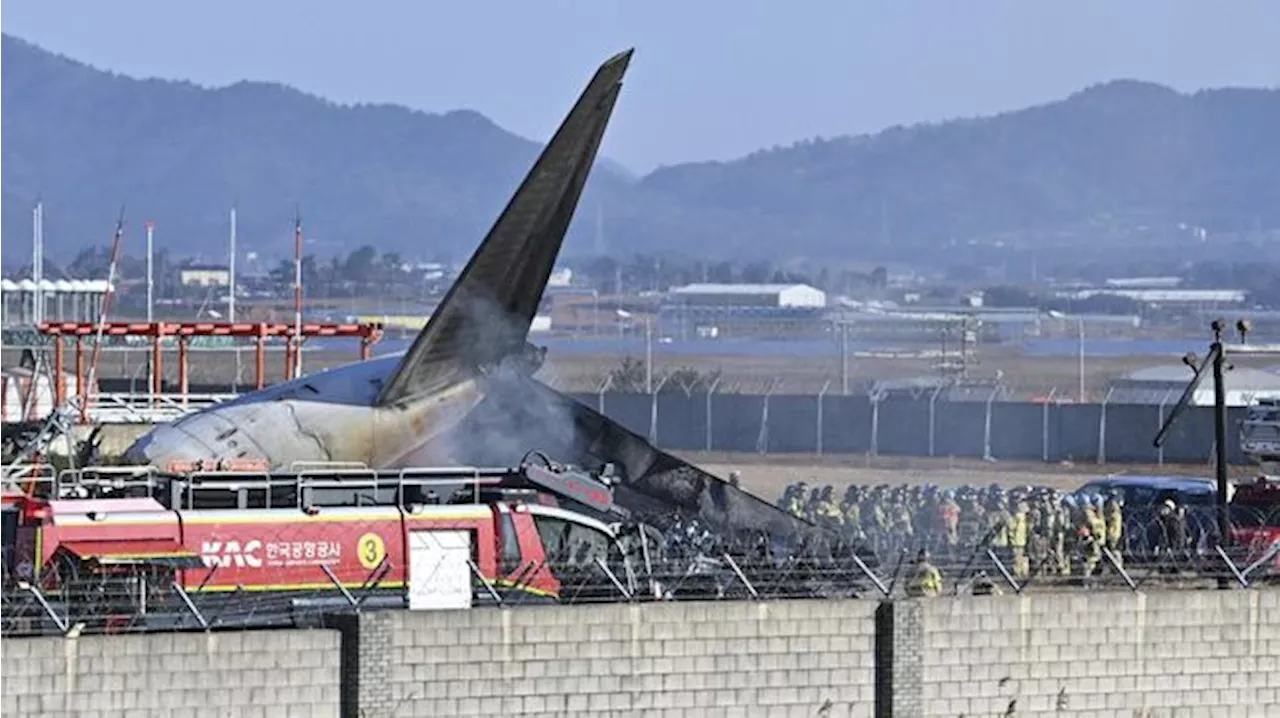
(1255, 518)
(329, 537)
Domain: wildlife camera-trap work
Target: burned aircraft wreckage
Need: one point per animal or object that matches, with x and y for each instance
(464, 392)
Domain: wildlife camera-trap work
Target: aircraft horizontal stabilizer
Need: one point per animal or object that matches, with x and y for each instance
(485, 317)
(524, 414)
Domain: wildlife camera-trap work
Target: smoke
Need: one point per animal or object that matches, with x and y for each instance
(518, 415)
(512, 419)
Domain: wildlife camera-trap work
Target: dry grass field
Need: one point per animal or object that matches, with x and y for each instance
(580, 373)
(764, 475)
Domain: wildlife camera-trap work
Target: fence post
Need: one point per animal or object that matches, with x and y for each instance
(1102, 427)
(874, 445)
(1044, 429)
(762, 439)
(933, 400)
(986, 431)
(1160, 425)
(821, 395)
(711, 390)
(653, 411)
(604, 386)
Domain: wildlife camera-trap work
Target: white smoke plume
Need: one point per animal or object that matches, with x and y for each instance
(514, 418)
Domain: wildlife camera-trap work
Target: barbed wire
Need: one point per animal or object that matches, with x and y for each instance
(671, 558)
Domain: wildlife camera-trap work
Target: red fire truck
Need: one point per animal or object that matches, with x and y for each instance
(421, 538)
(1255, 519)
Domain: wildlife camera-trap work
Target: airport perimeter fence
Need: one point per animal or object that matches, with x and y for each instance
(682, 561)
(983, 425)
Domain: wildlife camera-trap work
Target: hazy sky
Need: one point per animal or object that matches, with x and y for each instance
(710, 80)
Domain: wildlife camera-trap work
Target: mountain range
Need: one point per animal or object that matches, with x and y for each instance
(1121, 164)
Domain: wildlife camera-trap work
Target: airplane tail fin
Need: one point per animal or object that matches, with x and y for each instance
(486, 314)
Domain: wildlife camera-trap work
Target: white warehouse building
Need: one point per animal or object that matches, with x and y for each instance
(1164, 384)
(744, 310)
(59, 300)
(775, 296)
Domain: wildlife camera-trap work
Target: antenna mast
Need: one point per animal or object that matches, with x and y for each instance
(103, 312)
(37, 262)
(297, 294)
(151, 284)
(231, 270)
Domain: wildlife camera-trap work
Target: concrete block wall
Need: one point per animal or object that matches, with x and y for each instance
(1157, 655)
(246, 674)
(795, 658)
(1154, 655)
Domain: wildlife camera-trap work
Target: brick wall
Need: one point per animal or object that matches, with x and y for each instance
(1156, 655)
(677, 659)
(259, 674)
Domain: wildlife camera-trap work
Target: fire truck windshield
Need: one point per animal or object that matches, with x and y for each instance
(1256, 505)
(571, 543)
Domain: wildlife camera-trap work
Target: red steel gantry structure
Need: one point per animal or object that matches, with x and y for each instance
(369, 334)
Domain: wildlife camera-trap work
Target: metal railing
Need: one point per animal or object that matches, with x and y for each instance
(126, 408)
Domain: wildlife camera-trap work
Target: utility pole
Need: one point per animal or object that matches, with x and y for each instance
(151, 278)
(231, 299)
(37, 262)
(297, 295)
(844, 357)
(648, 355)
(1216, 363)
(231, 269)
(1219, 356)
(1080, 337)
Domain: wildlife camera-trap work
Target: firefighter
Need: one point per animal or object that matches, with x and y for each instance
(1114, 516)
(950, 521)
(1173, 528)
(812, 507)
(1040, 521)
(1061, 526)
(784, 501)
(827, 511)
(972, 519)
(984, 586)
(852, 508)
(1093, 536)
(797, 502)
(1018, 540)
(997, 523)
(927, 580)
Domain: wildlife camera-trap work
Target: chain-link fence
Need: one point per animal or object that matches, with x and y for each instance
(976, 422)
(663, 559)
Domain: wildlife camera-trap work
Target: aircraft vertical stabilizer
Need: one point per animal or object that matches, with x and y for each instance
(485, 317)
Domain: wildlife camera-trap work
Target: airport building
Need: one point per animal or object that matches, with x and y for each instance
(198, 275)
(26, 302)
(1164, 384)
(755, 310)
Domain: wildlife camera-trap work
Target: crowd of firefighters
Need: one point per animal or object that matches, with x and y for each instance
(1032, 530)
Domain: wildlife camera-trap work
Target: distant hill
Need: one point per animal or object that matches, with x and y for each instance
(181, 154)
(1109, 160)
(1117, 166)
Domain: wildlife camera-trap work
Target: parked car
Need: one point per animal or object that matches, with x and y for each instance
(1143, 496)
